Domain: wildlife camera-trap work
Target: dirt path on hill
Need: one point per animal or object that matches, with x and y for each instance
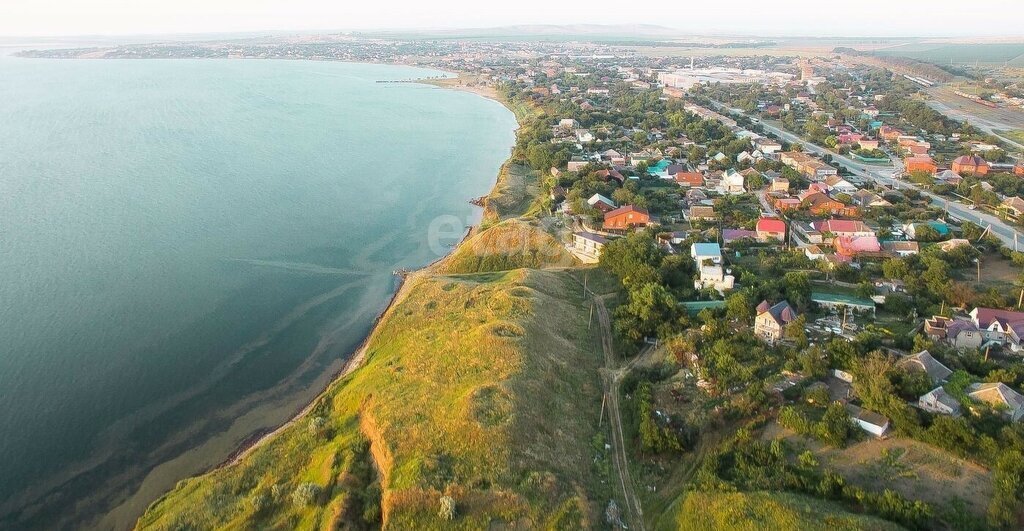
(612, 377)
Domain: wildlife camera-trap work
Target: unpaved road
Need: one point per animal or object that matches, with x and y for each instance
(612, 377)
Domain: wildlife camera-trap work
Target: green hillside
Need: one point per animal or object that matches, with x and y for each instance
(481, 387)
(754, 511)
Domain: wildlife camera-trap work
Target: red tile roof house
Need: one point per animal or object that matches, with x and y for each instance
(1000, 326)
(689, 179)
(843, 227)
(850, 246)
(970, 164)
(771, 229)
(626, 217)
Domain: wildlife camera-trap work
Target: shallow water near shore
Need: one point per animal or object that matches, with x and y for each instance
(190, 249)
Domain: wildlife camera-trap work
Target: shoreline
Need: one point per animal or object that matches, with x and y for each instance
(356, 360)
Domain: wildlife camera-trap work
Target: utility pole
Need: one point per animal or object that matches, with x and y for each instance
(1020, 299)
(590, 320)
(600, 419)
(585, 285)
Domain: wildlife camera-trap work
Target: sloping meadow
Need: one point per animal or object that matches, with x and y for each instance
(479, 392)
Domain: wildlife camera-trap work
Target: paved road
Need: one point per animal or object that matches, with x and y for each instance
(884, 175)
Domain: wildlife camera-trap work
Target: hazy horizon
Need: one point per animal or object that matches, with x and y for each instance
(791, 19)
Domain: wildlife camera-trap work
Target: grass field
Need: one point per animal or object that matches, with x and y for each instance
(515, 194)
(944, 53)
(914, 469)
(510, 244)
(739, 511)
(481, 387)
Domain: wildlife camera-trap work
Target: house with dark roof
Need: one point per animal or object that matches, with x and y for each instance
(1004, 327)
(771, 321)
(960, 333)
(874, 423)
(924, 362)
(587, 246)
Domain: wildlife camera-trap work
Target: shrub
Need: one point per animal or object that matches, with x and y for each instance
(306, 494)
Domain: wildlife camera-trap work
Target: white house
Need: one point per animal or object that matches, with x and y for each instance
(587, 246)
(732, 183)
(939, 401)
(874, 423)
(704, 252)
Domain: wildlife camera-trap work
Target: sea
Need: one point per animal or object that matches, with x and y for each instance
(191, 249)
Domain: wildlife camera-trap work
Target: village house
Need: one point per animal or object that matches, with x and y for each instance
(820, 204)
(939, 401)
(1000, 326)
(959, 333)
(838, 185)
(868, 144)
(771, 320)
(922, 163)
(868, 199)
(999, 396)
(701, 213)
(584, 135)
(924, 362)
(901, 249)
(626, 217)
(732, 183)
(853, 246)
(601, 203)
(1013, 206)
(833, 228)
(577, 164)
(874, 423)
(780, 185)
(689, 179)
(587, 246)
(807, 165)
(970, 165)
(771, 229)
(708, 257)
(732, 235)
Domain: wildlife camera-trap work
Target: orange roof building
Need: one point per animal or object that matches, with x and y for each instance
(921, 163)
(626, 217)
(971, 164)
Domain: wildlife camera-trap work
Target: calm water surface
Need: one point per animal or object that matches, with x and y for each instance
(189, 249)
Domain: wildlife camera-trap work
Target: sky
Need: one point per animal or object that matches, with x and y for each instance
(751, 17)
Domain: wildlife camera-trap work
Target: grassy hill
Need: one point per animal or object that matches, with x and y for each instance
(480, 387)
(510, 244)
(753, 511)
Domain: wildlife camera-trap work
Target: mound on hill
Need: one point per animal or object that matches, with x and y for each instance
(515, 194)
(510, 244)
(753, 511)
(482, 388)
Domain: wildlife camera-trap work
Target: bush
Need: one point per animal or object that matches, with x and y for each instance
(306, 494)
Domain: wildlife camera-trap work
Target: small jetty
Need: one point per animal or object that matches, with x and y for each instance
(402, 272)
(479, 201)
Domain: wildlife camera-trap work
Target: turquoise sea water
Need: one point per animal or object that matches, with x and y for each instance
(184, 244)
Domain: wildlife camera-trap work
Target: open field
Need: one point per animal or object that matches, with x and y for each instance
(914, 469)
(960, 53)
(482, 387)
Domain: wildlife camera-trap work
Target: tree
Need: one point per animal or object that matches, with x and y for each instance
(797, 288)
(633, 259)
(737, 306)
(835, 427)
